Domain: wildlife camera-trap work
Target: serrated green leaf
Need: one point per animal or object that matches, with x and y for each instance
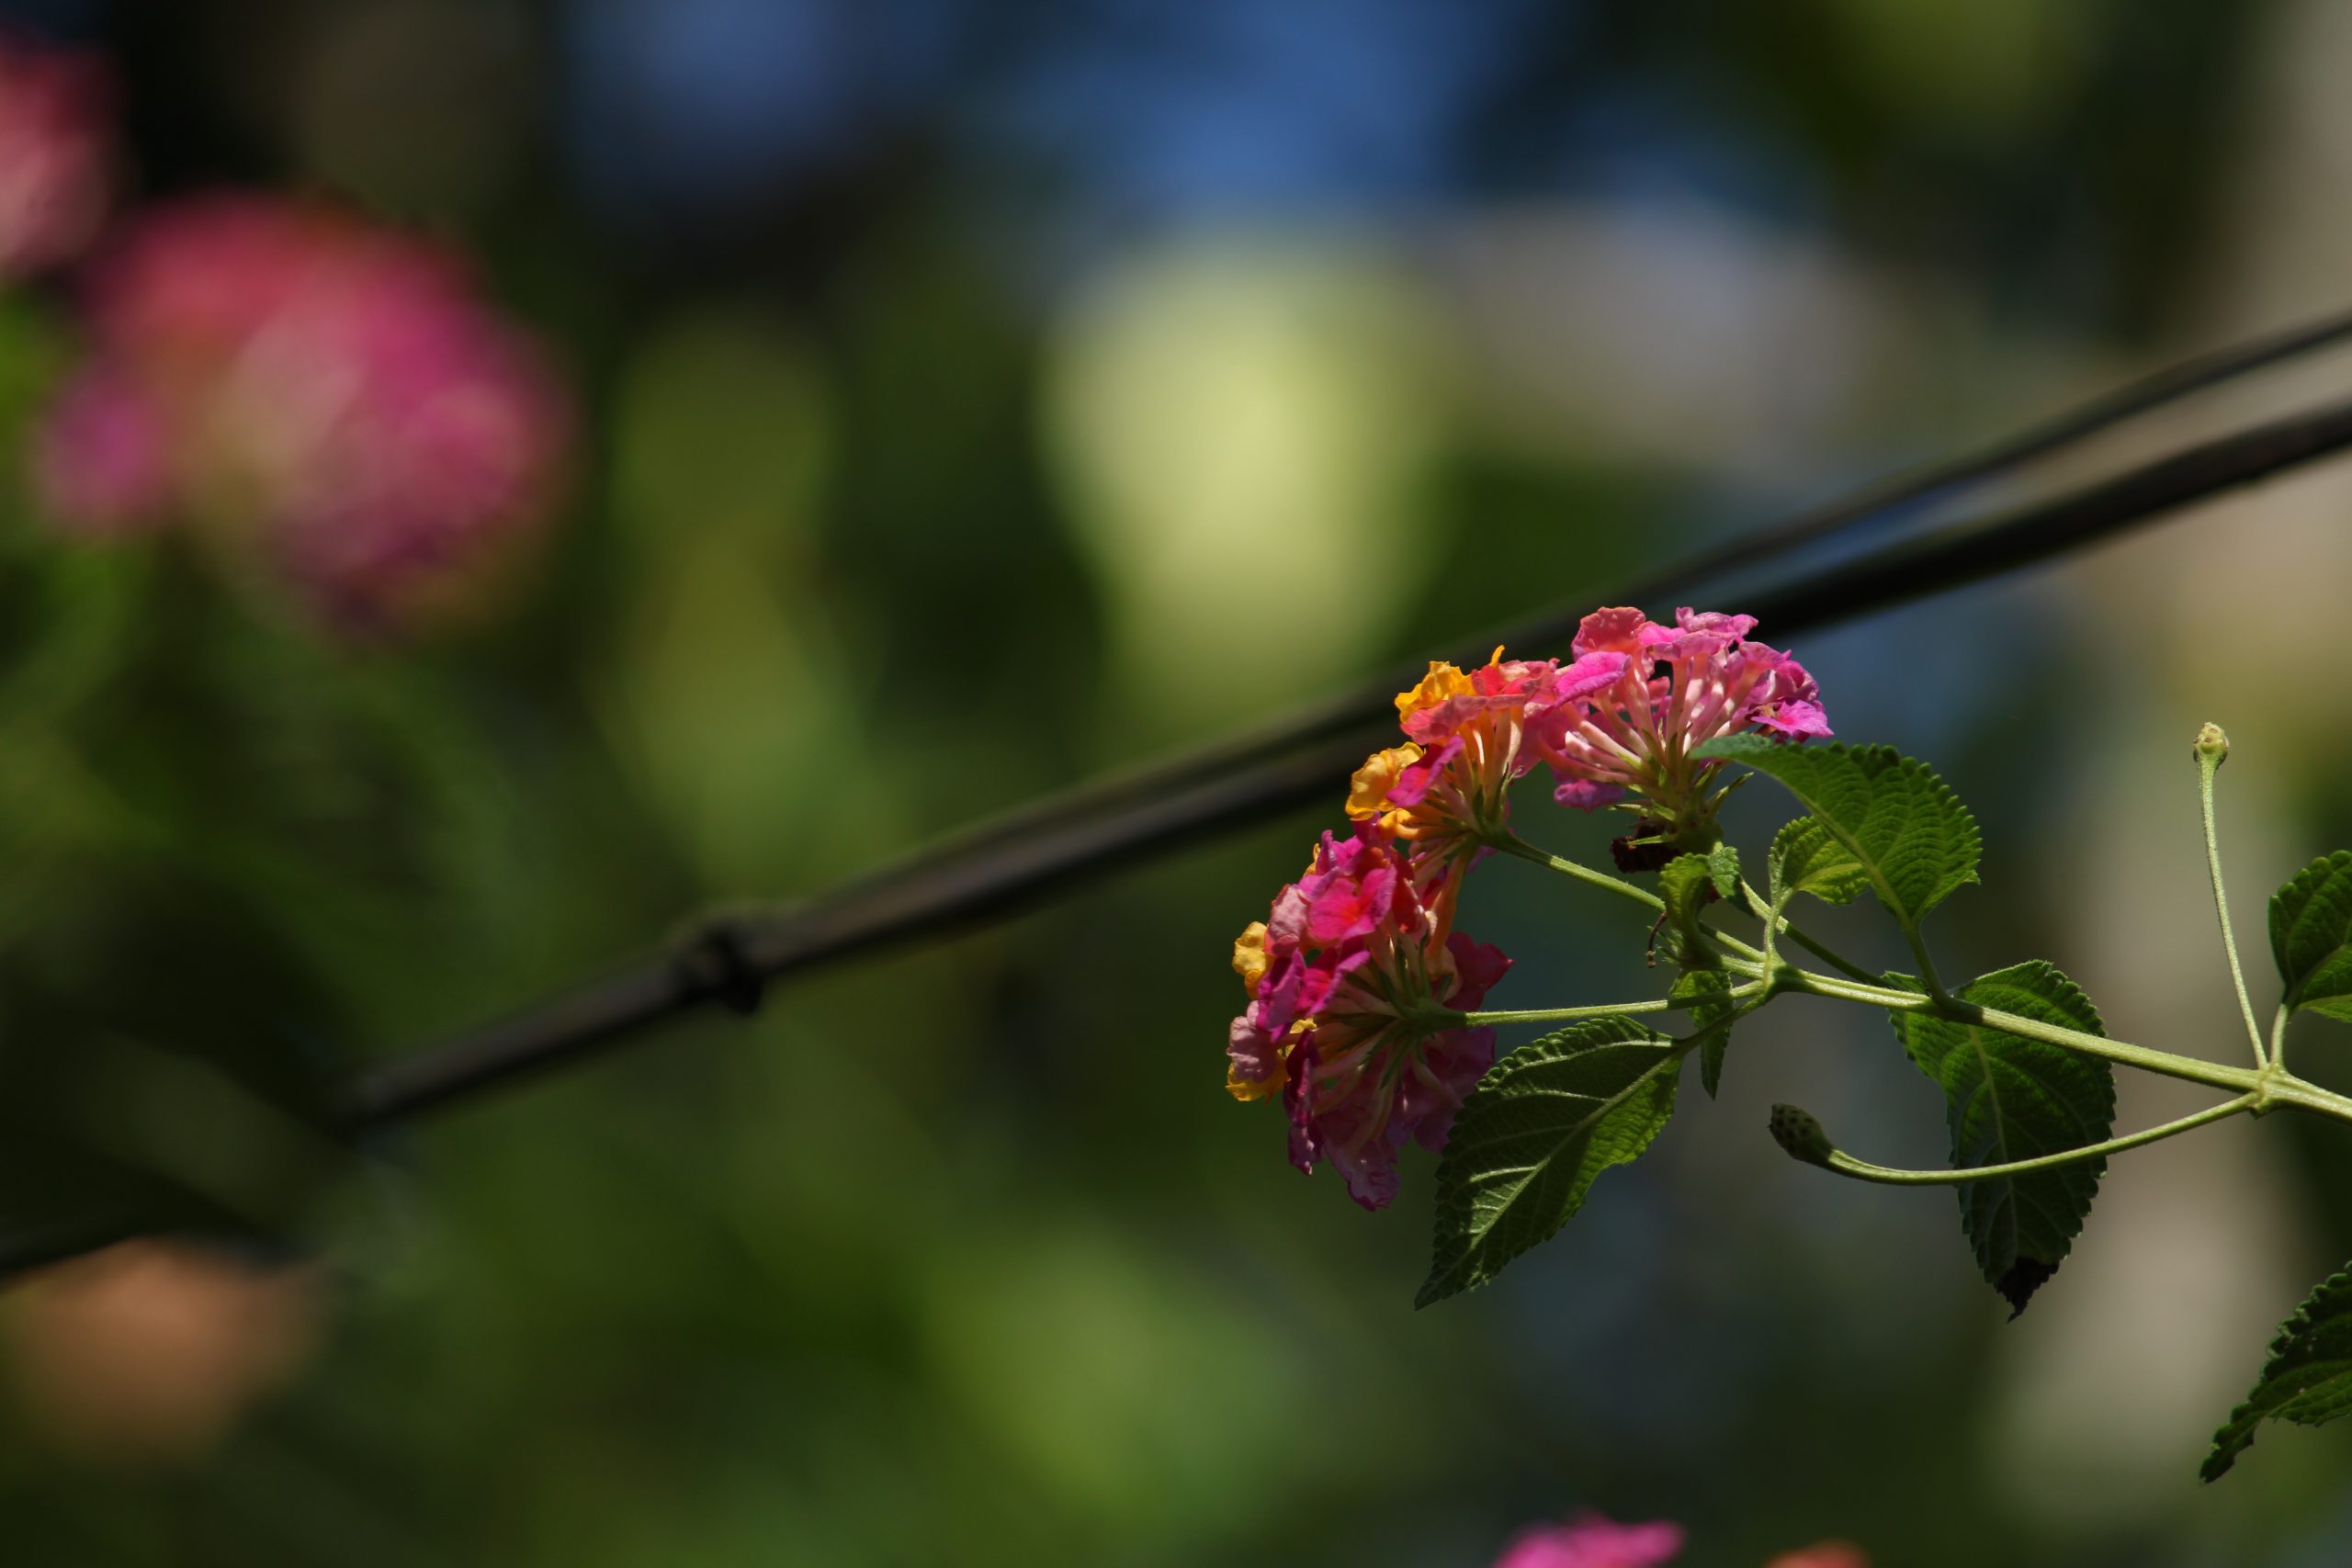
(1686, 883)
(1528, 1142)
(2311, 936)
(2307, 1378)
(1807, 858)
(1904, 829)
(1723, 869)
(2008, 1099)
(1709, 993)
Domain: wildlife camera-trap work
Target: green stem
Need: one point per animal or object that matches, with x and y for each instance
(1855, 991)
(1927, 975)
(1512, 844)
(1862, 1170)
(1556, 1015)
(2279, 1036)
(1691, 1041)
(2191, 1068)
(1772, 927)
(1771, 913)
(2285, 1088)
(2209, 762)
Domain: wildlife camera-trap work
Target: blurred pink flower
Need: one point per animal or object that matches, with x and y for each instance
(103, 456)
(56, 153)
(1826, 1554)
(1593, 1542)
(325, 395)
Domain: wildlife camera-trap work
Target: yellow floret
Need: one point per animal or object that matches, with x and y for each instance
(1443, 681)
(1368, 790)
(1250, 955)
(1247, 1089)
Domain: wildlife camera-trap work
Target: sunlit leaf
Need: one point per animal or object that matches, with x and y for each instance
(2009, 1099)
(1807, 858)
(1905, 831)
(2307, 1379)
(2311, 936)
(1529, 1141)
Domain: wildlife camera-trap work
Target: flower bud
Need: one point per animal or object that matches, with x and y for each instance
(1801, 1136)
(2213, 745)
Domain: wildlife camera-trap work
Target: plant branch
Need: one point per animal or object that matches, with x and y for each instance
(2192, 1068)
(1512, 844)
(1558, 1015)
(2212, 751)
(1773, 915)
(1863, 1170)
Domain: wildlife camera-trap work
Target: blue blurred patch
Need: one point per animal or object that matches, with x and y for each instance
(1223, 106)
(687, 109)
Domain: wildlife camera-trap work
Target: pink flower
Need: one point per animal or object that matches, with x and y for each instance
(1466, 744)
(102, 455)
(1680, 687)
(1593, 1542)
(326, 397)
(56, 154)
(1349, 979)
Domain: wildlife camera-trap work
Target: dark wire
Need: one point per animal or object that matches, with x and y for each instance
(995, 872)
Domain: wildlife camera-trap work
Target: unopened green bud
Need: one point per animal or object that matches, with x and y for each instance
(2213, 745)
(1801, 1136)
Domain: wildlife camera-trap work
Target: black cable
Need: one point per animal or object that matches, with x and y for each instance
(993, 872)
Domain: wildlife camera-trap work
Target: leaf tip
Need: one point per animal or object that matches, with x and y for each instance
(2019, 1281)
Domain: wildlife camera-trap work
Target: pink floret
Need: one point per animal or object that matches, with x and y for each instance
(1680, 687)
(101, 458)
(1349, 889)
(1472, 730)
(1594, 1543)
(1351, 954)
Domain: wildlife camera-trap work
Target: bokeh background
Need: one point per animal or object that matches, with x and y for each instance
(959, 401)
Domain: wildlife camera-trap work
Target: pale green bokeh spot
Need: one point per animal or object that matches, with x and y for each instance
(1241, 428)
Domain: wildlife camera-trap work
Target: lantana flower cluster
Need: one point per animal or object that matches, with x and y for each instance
(1677, 688)
(1342, 975)
(1357, 979)
(321, 395)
